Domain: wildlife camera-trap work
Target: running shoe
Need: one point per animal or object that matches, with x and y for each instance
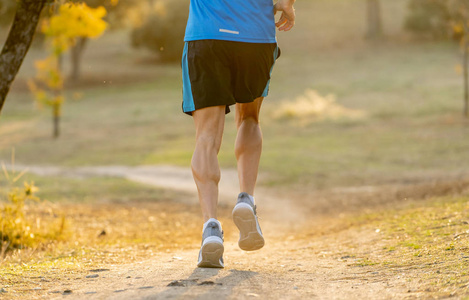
(211, 251)
(245, 218)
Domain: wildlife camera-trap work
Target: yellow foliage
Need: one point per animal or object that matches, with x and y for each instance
(17, 228)
(458, 28)
(49, 73)
(74, 20)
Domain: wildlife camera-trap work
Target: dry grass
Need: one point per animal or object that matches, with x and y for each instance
(426, 245)
(312, 107)
(100, 235)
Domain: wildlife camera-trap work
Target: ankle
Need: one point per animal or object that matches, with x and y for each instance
(211, 220)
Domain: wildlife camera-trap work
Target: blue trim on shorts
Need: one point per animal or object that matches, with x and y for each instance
(187, 97)
(266, 90)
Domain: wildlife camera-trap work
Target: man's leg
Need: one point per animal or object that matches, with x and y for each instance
(248, 150)
(209, 125)
(248, 145)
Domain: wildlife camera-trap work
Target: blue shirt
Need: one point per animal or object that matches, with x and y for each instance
(250, 21)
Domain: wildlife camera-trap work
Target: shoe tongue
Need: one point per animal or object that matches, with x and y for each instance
(247, 197)
(212, 223)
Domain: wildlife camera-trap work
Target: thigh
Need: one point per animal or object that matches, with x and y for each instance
(206, 75)
(253, 64)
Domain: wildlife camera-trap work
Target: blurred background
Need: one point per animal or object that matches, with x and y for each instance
(365, 93)
(366, 112)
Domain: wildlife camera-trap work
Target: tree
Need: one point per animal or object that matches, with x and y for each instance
(465, 64)
(459, 10)
(18, 42)
(117, 10)
(73, 22)
(444, 19)
(375, 25)
(429, 18)
(163, 30)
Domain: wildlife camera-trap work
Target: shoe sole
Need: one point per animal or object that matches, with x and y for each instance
(250, 236)
(211, 253)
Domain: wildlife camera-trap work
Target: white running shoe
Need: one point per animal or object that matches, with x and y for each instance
(211, 251)
(245, 218)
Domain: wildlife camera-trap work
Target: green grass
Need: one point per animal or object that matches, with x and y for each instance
(411, 127)
(420, 246)
(95, 190)
(410, 92)
(428, 241)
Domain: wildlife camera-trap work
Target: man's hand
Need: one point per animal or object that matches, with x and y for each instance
(287, 20)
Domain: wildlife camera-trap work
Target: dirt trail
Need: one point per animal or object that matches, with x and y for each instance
(286, 268)
(179, 179)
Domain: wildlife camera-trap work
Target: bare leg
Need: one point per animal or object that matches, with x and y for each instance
(248, 145)
(209, 125)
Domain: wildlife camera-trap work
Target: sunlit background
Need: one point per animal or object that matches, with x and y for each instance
(365, 111)
(343, 109)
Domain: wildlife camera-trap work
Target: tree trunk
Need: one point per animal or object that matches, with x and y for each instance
(374, 23)
(466, 70)
(77, 53)
(56, 120)
(18, 43)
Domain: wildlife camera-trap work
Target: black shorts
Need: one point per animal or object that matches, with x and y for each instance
(216, 72)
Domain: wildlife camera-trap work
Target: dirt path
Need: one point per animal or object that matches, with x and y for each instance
(283, 270)
(286, 268)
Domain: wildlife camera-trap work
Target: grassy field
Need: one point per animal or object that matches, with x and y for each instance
(129, 113)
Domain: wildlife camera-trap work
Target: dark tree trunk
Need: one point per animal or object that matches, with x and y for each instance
(77, 53)
(56, 120)
(374, 23)
(466, 69)
(18, 43)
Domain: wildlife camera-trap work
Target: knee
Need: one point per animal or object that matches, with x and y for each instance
(205, 172)
(204, 161)
(251, 121)
(208, 143)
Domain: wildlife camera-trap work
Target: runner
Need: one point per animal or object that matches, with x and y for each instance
(229, 53)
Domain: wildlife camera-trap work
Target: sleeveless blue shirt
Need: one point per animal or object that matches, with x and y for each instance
(250, 21)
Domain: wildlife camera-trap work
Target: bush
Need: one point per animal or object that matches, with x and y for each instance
(20, 228)
(430, 18)
(163, 30)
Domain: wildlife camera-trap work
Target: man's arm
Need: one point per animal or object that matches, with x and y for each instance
(287, 20)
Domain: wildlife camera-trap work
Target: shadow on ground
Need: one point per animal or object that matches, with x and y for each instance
(204, 284)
